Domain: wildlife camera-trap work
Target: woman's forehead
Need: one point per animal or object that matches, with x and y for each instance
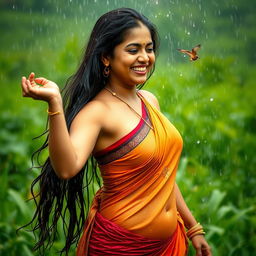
(137, 35)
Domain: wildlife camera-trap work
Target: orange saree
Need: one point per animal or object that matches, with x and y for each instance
(138, 171)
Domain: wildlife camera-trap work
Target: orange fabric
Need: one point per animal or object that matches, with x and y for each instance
(138, 185)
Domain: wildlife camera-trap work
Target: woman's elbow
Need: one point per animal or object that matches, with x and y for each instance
(65, 174)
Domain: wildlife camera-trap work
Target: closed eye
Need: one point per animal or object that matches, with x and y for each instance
(149, 50)
(133, 51)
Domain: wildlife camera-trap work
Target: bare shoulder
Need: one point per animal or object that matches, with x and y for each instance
(150, 97)
(92, 113)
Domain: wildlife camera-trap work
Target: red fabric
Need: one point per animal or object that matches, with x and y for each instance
(109, 239)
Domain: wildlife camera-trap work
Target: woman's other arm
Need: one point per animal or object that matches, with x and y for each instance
(199, 243)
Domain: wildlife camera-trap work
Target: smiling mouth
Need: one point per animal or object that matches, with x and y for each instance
(140, 70)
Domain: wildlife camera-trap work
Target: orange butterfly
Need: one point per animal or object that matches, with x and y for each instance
(193, 53)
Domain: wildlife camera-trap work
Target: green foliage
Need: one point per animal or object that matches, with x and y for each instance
(210, 101)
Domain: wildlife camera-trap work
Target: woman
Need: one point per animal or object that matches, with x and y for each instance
(139, 210)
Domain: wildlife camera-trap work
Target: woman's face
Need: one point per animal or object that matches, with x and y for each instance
(132, 59)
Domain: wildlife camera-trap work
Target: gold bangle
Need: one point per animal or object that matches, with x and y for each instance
(53, 113)
(200, 232)
(195, 230)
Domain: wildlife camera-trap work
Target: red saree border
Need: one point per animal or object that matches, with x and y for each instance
(126, 143)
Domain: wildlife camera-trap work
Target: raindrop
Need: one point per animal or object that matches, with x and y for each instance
(181, 74)
(156, 2)
(188, 33)
(211, 99)
(198, 142)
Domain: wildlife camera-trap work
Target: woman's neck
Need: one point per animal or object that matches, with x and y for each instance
(128, 93)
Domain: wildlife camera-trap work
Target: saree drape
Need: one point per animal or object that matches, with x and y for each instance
(138, 174)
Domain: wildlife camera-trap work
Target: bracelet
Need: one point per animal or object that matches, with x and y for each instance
(195, 230)
(53, 113)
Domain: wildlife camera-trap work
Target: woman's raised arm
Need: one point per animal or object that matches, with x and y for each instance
(68, 150)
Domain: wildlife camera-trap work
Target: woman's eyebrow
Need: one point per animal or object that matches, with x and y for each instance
(138, 45)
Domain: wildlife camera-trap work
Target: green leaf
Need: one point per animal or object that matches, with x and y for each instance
(19, 201)
(216, 199)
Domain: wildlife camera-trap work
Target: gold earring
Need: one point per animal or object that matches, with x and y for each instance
(106, 71)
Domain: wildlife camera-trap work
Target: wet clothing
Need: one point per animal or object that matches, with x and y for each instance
(138, 173)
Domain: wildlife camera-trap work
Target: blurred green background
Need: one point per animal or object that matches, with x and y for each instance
(211, 101)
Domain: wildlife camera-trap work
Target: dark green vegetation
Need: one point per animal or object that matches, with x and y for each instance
(211, 102)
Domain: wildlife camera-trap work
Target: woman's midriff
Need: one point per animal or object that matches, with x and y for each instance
(160, 226)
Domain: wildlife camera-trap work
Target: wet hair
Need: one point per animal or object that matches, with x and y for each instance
(65, 199)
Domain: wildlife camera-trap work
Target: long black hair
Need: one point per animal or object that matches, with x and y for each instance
(64, 199)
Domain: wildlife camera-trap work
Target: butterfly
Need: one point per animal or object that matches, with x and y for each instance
(193, 53)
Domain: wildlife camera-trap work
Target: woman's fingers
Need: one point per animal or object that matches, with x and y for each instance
(28, 89)
(198, 252)
(31, 77)
(24, 86)
(39, 88)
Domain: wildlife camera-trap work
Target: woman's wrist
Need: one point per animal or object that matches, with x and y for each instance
(190, 224)
(55, 104)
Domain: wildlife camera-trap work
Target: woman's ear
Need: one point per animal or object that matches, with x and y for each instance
(105, 60)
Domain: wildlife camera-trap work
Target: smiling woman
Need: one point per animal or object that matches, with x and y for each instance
(139, 210)
(132, 59)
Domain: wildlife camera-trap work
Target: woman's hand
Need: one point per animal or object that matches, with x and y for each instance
(201, 246)
(39, 88)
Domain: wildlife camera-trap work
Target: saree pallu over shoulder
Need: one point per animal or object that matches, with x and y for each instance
(136, 171)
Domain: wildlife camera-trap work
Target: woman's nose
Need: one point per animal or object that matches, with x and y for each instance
(143, 57)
